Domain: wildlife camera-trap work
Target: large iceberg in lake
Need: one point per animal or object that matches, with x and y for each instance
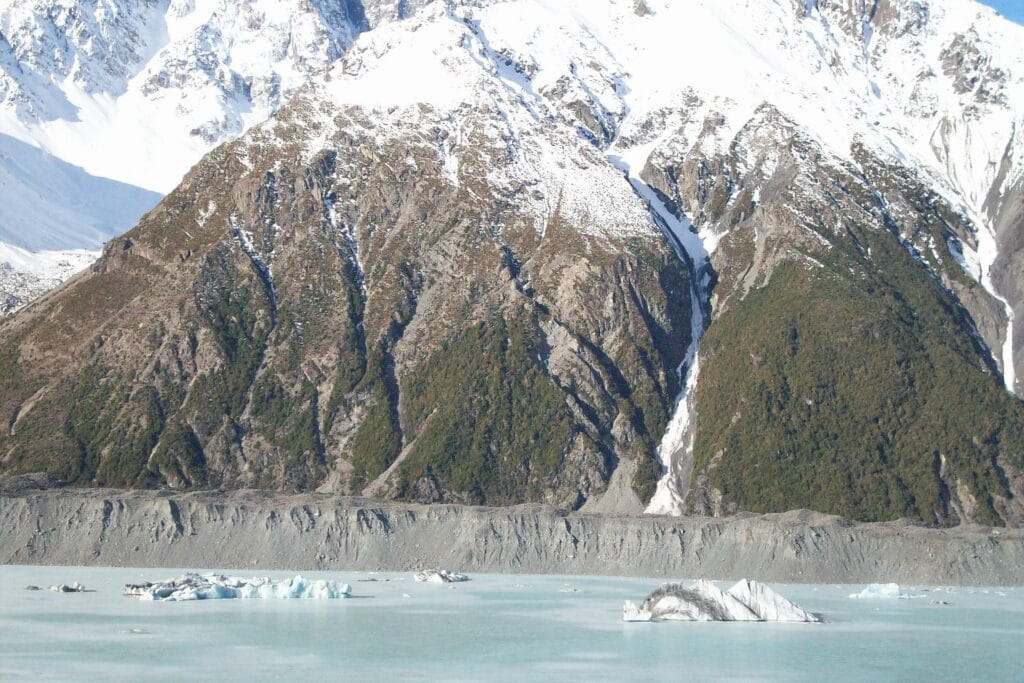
(439, 576)
(216, 586)
(746, 601)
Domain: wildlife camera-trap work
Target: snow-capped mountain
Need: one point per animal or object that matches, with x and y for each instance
(750, 255)
(934, 88)
(123, 96)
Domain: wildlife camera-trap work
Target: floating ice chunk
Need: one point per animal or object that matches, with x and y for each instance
(219, 587)
(633, 612)
(888, 591)
(769, 605)
(440, 576)
(65, 588)
(746, 601)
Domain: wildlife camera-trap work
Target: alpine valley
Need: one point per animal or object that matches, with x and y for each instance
(610, 255)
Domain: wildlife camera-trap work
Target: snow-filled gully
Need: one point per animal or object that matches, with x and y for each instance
(676, 448)
(988, 252)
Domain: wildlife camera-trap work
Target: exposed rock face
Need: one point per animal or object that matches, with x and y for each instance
(317, 532)
(366, 314)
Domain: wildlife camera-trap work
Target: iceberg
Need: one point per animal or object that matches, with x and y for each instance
(66, 588)
(769, 605)
(745, 601)
(439, 576)
(888, 591)
(219, 587)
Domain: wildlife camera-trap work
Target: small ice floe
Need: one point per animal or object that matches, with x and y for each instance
(65, 588)
(33, 588)
(217, 586)
(439, 576)
(745, 601)
(880, 591)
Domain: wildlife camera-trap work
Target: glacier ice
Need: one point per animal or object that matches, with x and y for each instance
(68, 588)
(440, 576)
(879, 591)
(216, 586)
(745, 601)
(769, 605)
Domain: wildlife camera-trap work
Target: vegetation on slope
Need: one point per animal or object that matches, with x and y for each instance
(846, 387)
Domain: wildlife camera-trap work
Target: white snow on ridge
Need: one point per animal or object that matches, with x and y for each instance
(449, 75)
(47, 204)
(59, 264)
(105, 105)
(184, 76)
(196, 73)
(26, 275)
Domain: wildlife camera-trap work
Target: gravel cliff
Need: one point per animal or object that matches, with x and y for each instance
(250, 529)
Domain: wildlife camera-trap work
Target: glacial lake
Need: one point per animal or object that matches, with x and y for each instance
(493, 628)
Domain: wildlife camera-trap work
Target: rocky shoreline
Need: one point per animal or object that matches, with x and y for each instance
(44, 524)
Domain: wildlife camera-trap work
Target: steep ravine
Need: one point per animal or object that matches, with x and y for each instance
(675, 450)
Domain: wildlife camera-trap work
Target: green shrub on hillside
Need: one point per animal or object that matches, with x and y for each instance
(844, 391)
(489, 424)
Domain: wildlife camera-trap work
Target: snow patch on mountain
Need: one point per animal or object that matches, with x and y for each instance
(165, 82)
(48, 204)
(469, 82)
(26, 275)
(122, 97)
(54, 217)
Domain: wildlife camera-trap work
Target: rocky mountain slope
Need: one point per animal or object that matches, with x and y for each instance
(534, 251)
(119, 98)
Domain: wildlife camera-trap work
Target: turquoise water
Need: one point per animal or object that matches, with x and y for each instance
(494, 628)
